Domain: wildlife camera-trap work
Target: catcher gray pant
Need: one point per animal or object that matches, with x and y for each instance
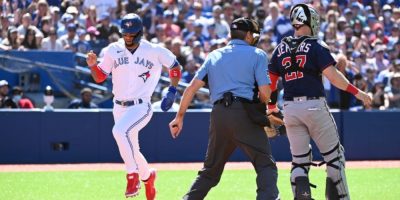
(305, 119)
(230, 127)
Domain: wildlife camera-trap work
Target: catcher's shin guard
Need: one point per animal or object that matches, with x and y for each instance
(336, 184)
(303, 190)
(331, 192)
(299, 175)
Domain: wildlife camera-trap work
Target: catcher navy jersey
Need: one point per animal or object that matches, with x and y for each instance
(304, 78)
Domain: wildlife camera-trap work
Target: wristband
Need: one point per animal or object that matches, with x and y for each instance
(271, 106)
(351, 89)
(175, 73)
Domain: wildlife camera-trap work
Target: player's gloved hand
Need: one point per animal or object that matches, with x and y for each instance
(168, 99)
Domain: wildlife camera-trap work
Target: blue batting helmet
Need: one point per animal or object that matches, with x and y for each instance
(132, 23)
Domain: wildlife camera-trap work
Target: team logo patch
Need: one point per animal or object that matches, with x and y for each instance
(128, 24)
(145, 76)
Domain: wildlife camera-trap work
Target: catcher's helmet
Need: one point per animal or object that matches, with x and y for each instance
(303, 14)
(132, 23)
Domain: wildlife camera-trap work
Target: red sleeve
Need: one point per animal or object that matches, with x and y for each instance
(274, 80)
(97, 74)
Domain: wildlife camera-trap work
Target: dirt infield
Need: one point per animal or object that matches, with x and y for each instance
(175, 166)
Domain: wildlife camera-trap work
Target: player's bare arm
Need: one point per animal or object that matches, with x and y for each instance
(339, 81)
(97, 74)
(264, 93)
(176, 125)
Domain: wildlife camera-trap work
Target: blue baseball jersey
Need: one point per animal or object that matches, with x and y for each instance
(311, 55)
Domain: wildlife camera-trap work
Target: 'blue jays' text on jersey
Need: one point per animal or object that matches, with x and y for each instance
(311, 55)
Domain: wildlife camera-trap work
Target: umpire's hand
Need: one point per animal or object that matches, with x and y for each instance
(175, 126)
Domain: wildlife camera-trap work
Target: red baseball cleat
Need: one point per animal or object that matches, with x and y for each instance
(133, 185)
(149, 185)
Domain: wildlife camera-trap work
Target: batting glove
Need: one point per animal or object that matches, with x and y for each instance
(168, 99)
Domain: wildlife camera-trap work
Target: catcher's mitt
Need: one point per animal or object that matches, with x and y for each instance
(277, 126)
(276, 118)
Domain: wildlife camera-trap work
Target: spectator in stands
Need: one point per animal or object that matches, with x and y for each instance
(380, 99)
(197, 34)
(212, 35)
(272, 18)
(260, 17)
(96, 44)
(85, 101)
(394, 92)
(387, 21)
(227, 10)
(19, 99)
(190, 70)
(221, 26)
(178, 51)
(197, 53)
(81, 46)
(72, 10)
(283, 26)
(160, 36)
(12, 40)
(70, 38)
(378, 34)
(29, 41)
(26, 23)
(51, 43)
(91, 17)
(394, 35)
(339, 98)
(151, 13)
(379, 62)
(106, 28)
(41, 11)
(133, 6)
(54, 17)
(170, 29)
(63, 24)
(198, 17)
(102, 6)
(5, 100)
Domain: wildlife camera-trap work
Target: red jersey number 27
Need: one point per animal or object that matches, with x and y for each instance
(287, 62)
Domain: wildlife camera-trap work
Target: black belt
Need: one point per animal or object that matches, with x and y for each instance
(234, 99)
(128, 103)
(299, 98)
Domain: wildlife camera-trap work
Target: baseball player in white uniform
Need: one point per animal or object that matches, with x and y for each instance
(135, 65)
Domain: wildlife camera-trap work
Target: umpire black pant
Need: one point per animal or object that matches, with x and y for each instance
(230, 127)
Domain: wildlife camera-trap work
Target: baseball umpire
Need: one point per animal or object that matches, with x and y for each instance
(300, 61)
(233, 73)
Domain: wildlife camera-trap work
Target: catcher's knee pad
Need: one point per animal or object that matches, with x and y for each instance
(300, 168)
(336, 184)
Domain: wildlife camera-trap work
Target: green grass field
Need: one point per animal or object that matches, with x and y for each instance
(365, 184)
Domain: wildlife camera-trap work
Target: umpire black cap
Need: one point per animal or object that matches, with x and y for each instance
(245, 24)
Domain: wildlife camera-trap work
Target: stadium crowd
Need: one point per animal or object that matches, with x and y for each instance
(362, 34)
